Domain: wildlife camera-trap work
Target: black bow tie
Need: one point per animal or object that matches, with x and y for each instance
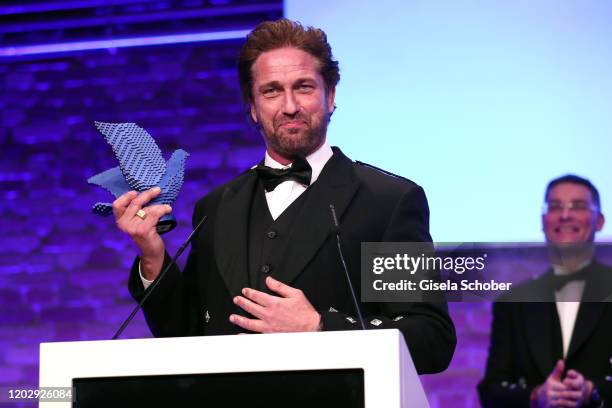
(559, 281)
(299, 171)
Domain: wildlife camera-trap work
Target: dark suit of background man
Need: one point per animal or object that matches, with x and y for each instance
(266, 260)
(557, 353)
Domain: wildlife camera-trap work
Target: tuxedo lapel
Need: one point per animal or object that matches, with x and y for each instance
(543, 332)
(336, 185)
(542, 325)
(596, 289)
(231, 232)
(587, 319)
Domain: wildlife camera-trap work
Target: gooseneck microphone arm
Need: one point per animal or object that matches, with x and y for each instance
(336, 231)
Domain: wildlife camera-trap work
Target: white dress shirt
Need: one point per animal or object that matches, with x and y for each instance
(288, 191)
(568, 309)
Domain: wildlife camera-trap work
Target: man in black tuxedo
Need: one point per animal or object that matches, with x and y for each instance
(266, 260)
(557, 352)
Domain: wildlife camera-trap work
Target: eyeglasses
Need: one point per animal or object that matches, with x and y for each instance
(578, 206)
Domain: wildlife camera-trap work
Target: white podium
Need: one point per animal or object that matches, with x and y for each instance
(379, 357)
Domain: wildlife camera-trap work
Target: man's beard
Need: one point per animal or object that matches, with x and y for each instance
(299, 142)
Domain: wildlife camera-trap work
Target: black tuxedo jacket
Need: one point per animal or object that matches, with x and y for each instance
(526, 341)
(371, 206)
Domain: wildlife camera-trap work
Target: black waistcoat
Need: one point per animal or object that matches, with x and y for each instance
(267, 237)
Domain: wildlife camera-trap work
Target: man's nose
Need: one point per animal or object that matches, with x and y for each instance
(566, 213)
(291, 105)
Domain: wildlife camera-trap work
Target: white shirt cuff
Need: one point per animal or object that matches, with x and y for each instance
(145, 282)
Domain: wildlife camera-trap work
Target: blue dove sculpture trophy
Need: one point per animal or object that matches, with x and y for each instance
(141, 167)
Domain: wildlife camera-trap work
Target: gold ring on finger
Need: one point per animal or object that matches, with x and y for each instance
(142, 214)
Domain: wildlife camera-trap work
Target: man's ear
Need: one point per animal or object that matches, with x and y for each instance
(601, 220)
(253, 112)
(331, 96)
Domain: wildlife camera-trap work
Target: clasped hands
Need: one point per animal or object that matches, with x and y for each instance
(290, 311)
(573, 391)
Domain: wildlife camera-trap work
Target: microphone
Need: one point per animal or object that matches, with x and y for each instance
(336, 231)
(152, 287)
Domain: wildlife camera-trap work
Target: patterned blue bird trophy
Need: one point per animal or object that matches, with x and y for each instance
(141, 167)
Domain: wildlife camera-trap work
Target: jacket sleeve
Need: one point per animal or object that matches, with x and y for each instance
(169, 308)
(501, 387)
(426, 326)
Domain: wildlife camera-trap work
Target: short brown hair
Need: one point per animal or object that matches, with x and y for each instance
(271, 35)
(574, 179)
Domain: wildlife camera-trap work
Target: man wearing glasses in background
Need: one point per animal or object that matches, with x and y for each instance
(557, 352)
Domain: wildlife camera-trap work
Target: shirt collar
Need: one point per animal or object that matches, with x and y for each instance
(316, 159)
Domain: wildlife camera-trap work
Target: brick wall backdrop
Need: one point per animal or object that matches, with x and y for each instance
(63, 270)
